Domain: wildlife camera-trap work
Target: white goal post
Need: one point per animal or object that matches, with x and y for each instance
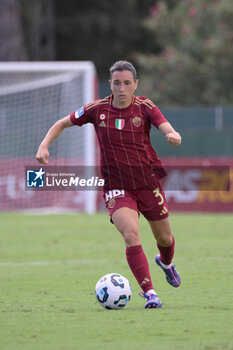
(33, 95)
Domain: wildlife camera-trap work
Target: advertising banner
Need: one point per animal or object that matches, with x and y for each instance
(199, 184)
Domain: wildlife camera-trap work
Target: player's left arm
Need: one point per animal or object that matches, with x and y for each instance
(159, 121)
(172, 136)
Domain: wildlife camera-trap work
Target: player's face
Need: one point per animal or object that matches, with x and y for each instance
(123, 86)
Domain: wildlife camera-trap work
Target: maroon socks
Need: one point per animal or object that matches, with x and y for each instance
(167, 253)
(139, 266)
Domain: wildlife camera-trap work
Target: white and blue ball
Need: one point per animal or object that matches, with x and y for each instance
(113, 291)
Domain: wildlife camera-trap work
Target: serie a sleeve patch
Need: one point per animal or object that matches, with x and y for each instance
(79, 113)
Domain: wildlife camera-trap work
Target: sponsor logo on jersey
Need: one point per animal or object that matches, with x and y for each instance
(102, 124)
(35, 178)
(79, 112)
(113, 194)
(137, 121)
(102, 116)
(164, 211)
(119, 123)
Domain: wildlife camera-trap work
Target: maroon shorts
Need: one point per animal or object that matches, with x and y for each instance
(151, 203)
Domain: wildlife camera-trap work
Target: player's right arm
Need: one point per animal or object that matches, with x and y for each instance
(55, 130)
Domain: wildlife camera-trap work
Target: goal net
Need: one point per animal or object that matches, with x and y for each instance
(34, 95)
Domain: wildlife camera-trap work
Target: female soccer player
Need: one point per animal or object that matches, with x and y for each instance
(131, 170)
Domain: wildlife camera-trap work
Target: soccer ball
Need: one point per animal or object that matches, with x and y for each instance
(113, 291)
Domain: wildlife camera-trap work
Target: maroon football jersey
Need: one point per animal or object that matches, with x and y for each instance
(128, 160)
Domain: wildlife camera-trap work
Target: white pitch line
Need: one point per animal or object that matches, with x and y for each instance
(89, 261)
(52, 262)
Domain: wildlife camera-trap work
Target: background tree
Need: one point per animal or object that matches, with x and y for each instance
(11, 34)
(38, 18)
(103, 31)
(194, 66)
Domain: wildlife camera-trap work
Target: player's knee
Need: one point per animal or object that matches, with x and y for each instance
(131, 236)
(165, 239)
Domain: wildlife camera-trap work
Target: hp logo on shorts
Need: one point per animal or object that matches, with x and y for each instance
(35, 178)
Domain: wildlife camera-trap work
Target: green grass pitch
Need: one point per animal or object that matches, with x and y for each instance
(49, 266)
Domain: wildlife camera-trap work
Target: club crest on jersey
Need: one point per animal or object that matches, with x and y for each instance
(111, 203)
(137, 121)
(79, 112)
(119, 123)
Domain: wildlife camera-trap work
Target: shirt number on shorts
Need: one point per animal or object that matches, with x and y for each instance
(158, 195)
